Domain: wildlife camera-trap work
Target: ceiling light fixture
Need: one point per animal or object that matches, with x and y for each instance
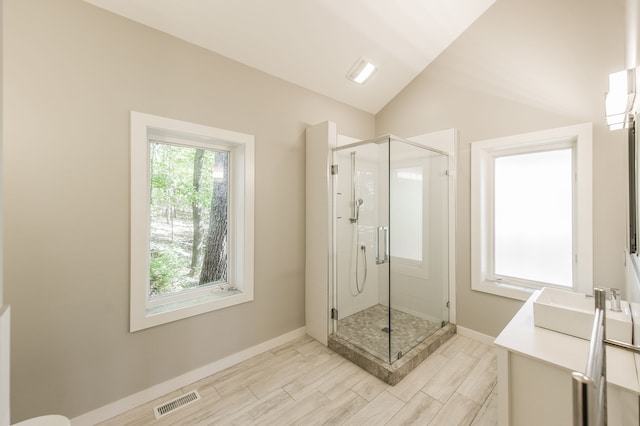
(619, 99)
(361, 71)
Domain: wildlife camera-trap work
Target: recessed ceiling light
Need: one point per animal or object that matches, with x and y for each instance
(361, 71)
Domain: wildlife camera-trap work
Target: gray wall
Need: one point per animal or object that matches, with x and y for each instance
(525, 65)
(72, 74)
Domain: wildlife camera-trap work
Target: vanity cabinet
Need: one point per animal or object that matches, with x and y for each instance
(534, 375)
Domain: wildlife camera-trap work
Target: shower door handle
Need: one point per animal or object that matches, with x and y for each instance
(385, 256)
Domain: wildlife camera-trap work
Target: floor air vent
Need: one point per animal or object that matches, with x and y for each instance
(176, 403)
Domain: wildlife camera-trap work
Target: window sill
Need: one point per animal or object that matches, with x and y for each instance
(177, 310)
(503, 289)
(211, 296)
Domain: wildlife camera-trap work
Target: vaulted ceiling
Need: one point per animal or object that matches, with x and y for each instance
(314, 43)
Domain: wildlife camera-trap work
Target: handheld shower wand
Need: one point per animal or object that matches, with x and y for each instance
(359, 202)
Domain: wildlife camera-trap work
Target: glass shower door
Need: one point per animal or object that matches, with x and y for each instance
(418, 209)
(361, 291)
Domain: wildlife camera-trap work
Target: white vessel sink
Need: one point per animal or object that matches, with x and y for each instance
(572, 313)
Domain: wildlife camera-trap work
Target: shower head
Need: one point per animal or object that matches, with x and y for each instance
(359, 202)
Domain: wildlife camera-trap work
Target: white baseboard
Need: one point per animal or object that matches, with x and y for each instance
(475, 335)
(106, 412)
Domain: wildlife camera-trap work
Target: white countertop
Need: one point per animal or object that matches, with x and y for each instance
(523, 337)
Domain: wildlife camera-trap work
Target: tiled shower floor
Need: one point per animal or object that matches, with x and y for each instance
(365, 330)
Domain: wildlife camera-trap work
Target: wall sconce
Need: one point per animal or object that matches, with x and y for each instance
(619, 99)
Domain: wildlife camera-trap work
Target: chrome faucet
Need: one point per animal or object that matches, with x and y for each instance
(615, 299)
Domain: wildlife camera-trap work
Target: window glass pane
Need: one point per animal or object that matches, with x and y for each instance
(533, 217)
(188, 218)
(406, 203)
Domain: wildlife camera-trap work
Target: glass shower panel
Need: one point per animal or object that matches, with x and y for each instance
(418, 222)
(391, 245)
(361, 286)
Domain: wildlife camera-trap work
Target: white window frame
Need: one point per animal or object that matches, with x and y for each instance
(483, 154)
(146, 128)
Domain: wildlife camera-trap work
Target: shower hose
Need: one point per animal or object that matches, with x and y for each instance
(362, 247)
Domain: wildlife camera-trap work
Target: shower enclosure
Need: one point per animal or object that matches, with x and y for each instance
(390, 246)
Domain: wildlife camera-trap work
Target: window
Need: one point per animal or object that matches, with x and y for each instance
(531, 212)
(191, 219)
(406, 203)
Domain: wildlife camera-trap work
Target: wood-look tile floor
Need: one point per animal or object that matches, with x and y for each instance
(305, 383)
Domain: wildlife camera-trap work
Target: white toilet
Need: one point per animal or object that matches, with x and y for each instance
(52, 420)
